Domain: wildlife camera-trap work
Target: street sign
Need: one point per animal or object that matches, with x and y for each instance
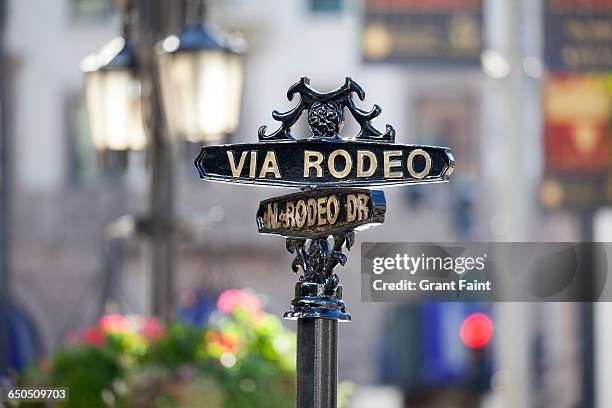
(577, 141)
(435, 32)
(320, 221)
(577, 134)
(322, 162)
(578, 35)
(325, 165)
(326, 159)
(576, 192)
(321, 213)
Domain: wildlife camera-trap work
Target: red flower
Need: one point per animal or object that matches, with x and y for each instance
(94, 336)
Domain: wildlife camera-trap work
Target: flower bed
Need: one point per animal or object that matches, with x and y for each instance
(243, 357)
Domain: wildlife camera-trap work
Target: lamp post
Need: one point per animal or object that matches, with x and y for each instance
(147, 90)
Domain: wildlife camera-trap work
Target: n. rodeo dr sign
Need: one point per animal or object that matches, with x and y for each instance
(320, 213)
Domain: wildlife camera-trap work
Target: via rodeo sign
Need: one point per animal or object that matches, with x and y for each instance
(326, 159)
(331, 170)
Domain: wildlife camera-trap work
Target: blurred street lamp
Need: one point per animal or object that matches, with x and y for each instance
(113, 96)
(153, 91)
(201, 76)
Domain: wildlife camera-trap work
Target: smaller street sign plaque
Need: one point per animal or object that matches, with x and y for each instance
(321, 213)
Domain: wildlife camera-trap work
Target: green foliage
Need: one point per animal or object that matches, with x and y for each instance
(244, 357)
(88, 369)
(178, 346)
(260, 373)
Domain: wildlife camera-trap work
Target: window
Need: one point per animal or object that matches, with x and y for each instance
(325, 6)
(91, 9)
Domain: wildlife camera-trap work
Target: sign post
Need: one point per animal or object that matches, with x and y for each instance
(320, 221)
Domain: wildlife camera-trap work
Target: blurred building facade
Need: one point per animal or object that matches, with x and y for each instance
(61, 261)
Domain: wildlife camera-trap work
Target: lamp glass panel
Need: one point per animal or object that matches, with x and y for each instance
(211, 93)
(138, 137)
(95, 108)
(170, 82)
(117, 107)
(235, 70)
(202, 91)
(114, 107)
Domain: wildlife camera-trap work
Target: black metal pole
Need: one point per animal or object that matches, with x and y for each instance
(162, 248)
(153, 23)
(318, 307)
(112, 247)
(317, 363)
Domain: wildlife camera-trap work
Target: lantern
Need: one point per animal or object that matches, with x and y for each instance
(201, 79)
(113, 97)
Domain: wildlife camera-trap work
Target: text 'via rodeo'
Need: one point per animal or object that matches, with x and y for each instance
(326, 158)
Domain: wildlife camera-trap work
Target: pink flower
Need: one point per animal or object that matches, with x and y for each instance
(113, 323)
(151, 328)
(232, 299)
(92, 335)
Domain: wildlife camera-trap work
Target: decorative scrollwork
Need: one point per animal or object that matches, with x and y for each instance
(326, 113)
(318, 259)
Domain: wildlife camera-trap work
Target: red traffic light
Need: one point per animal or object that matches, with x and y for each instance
(476, 330)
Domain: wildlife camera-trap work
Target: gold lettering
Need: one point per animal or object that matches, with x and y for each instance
(316, 163)
(312, 210)
(321, 220)
(270, 166)
(362, 207)
(271, 216)
(410, 163)
(267, 216)
(301, 212)
(253, 164)
(331, 163)
(332, 210)
(389, 164)
(351, 207)
(236, 170)
(290, 215)
(361, 155)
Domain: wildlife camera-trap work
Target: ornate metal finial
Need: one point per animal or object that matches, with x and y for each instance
(326, 113)
(318, 293)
